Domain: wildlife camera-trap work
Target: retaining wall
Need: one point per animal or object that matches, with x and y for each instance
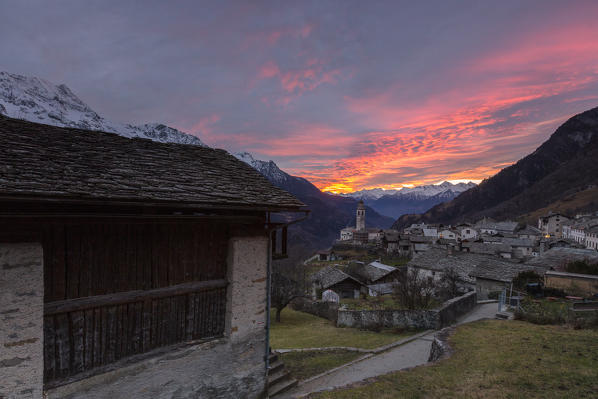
(413, 319)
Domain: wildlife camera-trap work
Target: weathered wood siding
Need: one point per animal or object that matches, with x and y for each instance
(113, 290)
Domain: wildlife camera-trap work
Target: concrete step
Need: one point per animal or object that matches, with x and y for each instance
(277, 377)
(281, 387)
(275, 366)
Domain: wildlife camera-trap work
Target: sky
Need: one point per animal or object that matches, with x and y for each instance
(349, 94)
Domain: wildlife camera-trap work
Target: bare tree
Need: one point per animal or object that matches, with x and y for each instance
(414, 290)
(449, 283)
(289, 281)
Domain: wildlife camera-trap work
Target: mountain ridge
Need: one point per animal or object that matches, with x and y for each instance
(562, 165)
(40, 101)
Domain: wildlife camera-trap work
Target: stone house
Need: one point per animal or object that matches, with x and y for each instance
(131, 268)
(467, 232)
(448, 234)
(436, 261)
(530, 233)
(334, 279)
(551, 224)
(493, 275)
(347, 233)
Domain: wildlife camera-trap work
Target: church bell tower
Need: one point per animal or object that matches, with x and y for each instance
(360, 224)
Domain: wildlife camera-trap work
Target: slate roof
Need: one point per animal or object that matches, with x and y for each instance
(556, 258)
(484, 248)
(47, 162)
(437, 259)
(329, 276)
(529, 230)
(498, 270)
(374, 271)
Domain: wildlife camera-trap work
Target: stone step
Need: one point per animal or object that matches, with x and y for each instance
(504, 315)
(277, 377)
(281, 387)
(275, 366)
(273, 357)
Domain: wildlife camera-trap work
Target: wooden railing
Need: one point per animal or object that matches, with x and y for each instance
(87, 333)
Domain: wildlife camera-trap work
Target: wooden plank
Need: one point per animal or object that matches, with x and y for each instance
(89, 339)
(77, 350)
(49, 349)
(127, 297)
(98, 334)
(63, 347)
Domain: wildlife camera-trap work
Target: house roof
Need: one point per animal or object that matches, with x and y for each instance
(41, 162)
(437, 259)
(518, 242)
(484, 248)
(529, 230)
(329, 276)
(498, 270)
(556, 258)
(375, 271)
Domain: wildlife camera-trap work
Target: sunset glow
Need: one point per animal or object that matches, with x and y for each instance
(349, 95)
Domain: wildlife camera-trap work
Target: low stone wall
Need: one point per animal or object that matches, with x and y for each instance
(327, 310)
(452, 309)
(440, 347)
(367, 319)
(413, 319)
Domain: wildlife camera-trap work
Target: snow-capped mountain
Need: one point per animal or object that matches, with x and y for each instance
(395, 203)
(412, 192)
(38, 100)
(266, 168)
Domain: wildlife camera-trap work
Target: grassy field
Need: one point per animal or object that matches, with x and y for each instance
(303, 365)
(497, 359)
(302, 330)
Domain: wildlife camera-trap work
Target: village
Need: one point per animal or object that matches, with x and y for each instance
(298, 200)
(430, 277)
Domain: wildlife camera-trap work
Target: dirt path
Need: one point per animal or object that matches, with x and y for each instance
(411, 354)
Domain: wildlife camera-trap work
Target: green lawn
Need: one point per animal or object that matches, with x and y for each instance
(302, 330)
(303, 365)
(498, 359)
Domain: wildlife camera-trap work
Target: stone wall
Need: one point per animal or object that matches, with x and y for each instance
(21, 320)
(327, 310)
(231, 367)
(367, 319)
(413, 319)
(440, 347)
(452, 309)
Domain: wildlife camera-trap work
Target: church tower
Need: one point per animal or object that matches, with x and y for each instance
(360, 224)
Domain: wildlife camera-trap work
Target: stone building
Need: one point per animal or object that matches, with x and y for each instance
(551, 224)
(131, 268)
(360, 217)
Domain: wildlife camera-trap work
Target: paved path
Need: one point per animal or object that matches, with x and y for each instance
(412, 354)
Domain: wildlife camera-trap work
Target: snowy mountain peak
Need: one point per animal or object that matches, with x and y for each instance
(40, 101)
(424, 191)
(267, 168)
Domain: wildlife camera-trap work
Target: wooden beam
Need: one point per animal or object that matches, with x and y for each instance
(97, 301)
